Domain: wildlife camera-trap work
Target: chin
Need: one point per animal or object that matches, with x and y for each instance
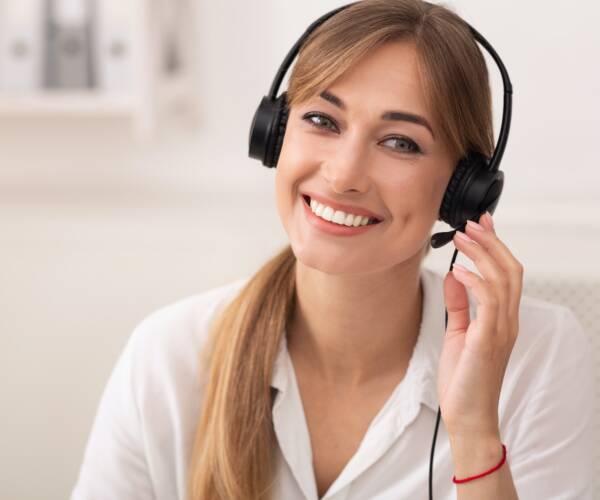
(331, 261)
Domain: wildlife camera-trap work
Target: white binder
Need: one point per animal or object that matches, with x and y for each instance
(22, 43)
(114, 43)
(69, 55)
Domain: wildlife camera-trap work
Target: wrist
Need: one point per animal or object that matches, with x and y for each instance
(474, 454)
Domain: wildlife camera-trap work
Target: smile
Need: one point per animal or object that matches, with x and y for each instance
(356, 224)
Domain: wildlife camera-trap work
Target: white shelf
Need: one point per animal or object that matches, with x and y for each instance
(148, 92)
(68, 103)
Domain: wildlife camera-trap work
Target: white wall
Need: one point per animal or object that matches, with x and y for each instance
(97, 230)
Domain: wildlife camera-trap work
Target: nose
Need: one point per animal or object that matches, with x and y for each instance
(347, 168)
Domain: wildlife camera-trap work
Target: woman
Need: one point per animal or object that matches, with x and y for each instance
(321, 375)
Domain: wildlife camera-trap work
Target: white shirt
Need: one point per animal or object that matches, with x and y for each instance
(142, 435)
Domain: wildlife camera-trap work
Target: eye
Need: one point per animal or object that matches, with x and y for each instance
(323, 121)
(320, 119)
(414, 147)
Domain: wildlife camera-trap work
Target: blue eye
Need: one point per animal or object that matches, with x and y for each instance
(325, 122)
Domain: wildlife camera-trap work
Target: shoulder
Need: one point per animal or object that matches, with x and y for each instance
(183, 324)
(547, 402)
(549, 331)
(551, 344)
(549, 376)
(546, 406)
(165, 347)
(167, 386)
(144, 427)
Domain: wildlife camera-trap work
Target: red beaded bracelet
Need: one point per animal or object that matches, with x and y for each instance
(457, 481)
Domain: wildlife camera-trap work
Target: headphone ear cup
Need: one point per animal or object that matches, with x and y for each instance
(472, 190)
(282, 119)
(451, 197)
(267, 130)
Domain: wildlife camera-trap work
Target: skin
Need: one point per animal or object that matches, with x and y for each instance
(359, 299)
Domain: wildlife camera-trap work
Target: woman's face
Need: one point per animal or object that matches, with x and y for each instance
(395, 169)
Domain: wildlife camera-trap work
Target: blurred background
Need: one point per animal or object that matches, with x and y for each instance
(125, 183)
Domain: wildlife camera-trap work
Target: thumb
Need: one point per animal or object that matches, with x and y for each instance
(457, 304)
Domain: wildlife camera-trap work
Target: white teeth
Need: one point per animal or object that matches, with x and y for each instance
(319, 208)
(337, 216)
(327, 213)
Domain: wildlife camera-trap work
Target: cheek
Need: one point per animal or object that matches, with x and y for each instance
(409, 192)
(294, 163)
(282, 192)
(295, 148)
(289, 174)
(417, 196)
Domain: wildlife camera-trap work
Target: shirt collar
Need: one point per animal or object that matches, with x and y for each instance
(423, 365)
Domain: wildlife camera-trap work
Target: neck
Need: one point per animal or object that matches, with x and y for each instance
(349, 330)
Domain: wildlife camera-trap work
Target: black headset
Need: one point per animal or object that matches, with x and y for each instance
(474, 188)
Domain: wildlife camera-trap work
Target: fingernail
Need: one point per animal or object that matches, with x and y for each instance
(459, 268)
(474, 225)
(463, 237)
(489, 219)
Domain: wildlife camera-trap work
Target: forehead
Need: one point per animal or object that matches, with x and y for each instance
(386, 77)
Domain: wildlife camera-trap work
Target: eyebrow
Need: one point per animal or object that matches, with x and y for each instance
(387, 115)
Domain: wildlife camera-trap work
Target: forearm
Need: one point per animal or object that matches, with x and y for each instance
(472, 456)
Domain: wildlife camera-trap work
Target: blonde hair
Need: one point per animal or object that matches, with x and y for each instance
(235, 446)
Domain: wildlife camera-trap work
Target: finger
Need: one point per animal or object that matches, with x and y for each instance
(514, 267)
(486, 220)
(490, 241)
(491, 273)
(497, 249)
(482, 339)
